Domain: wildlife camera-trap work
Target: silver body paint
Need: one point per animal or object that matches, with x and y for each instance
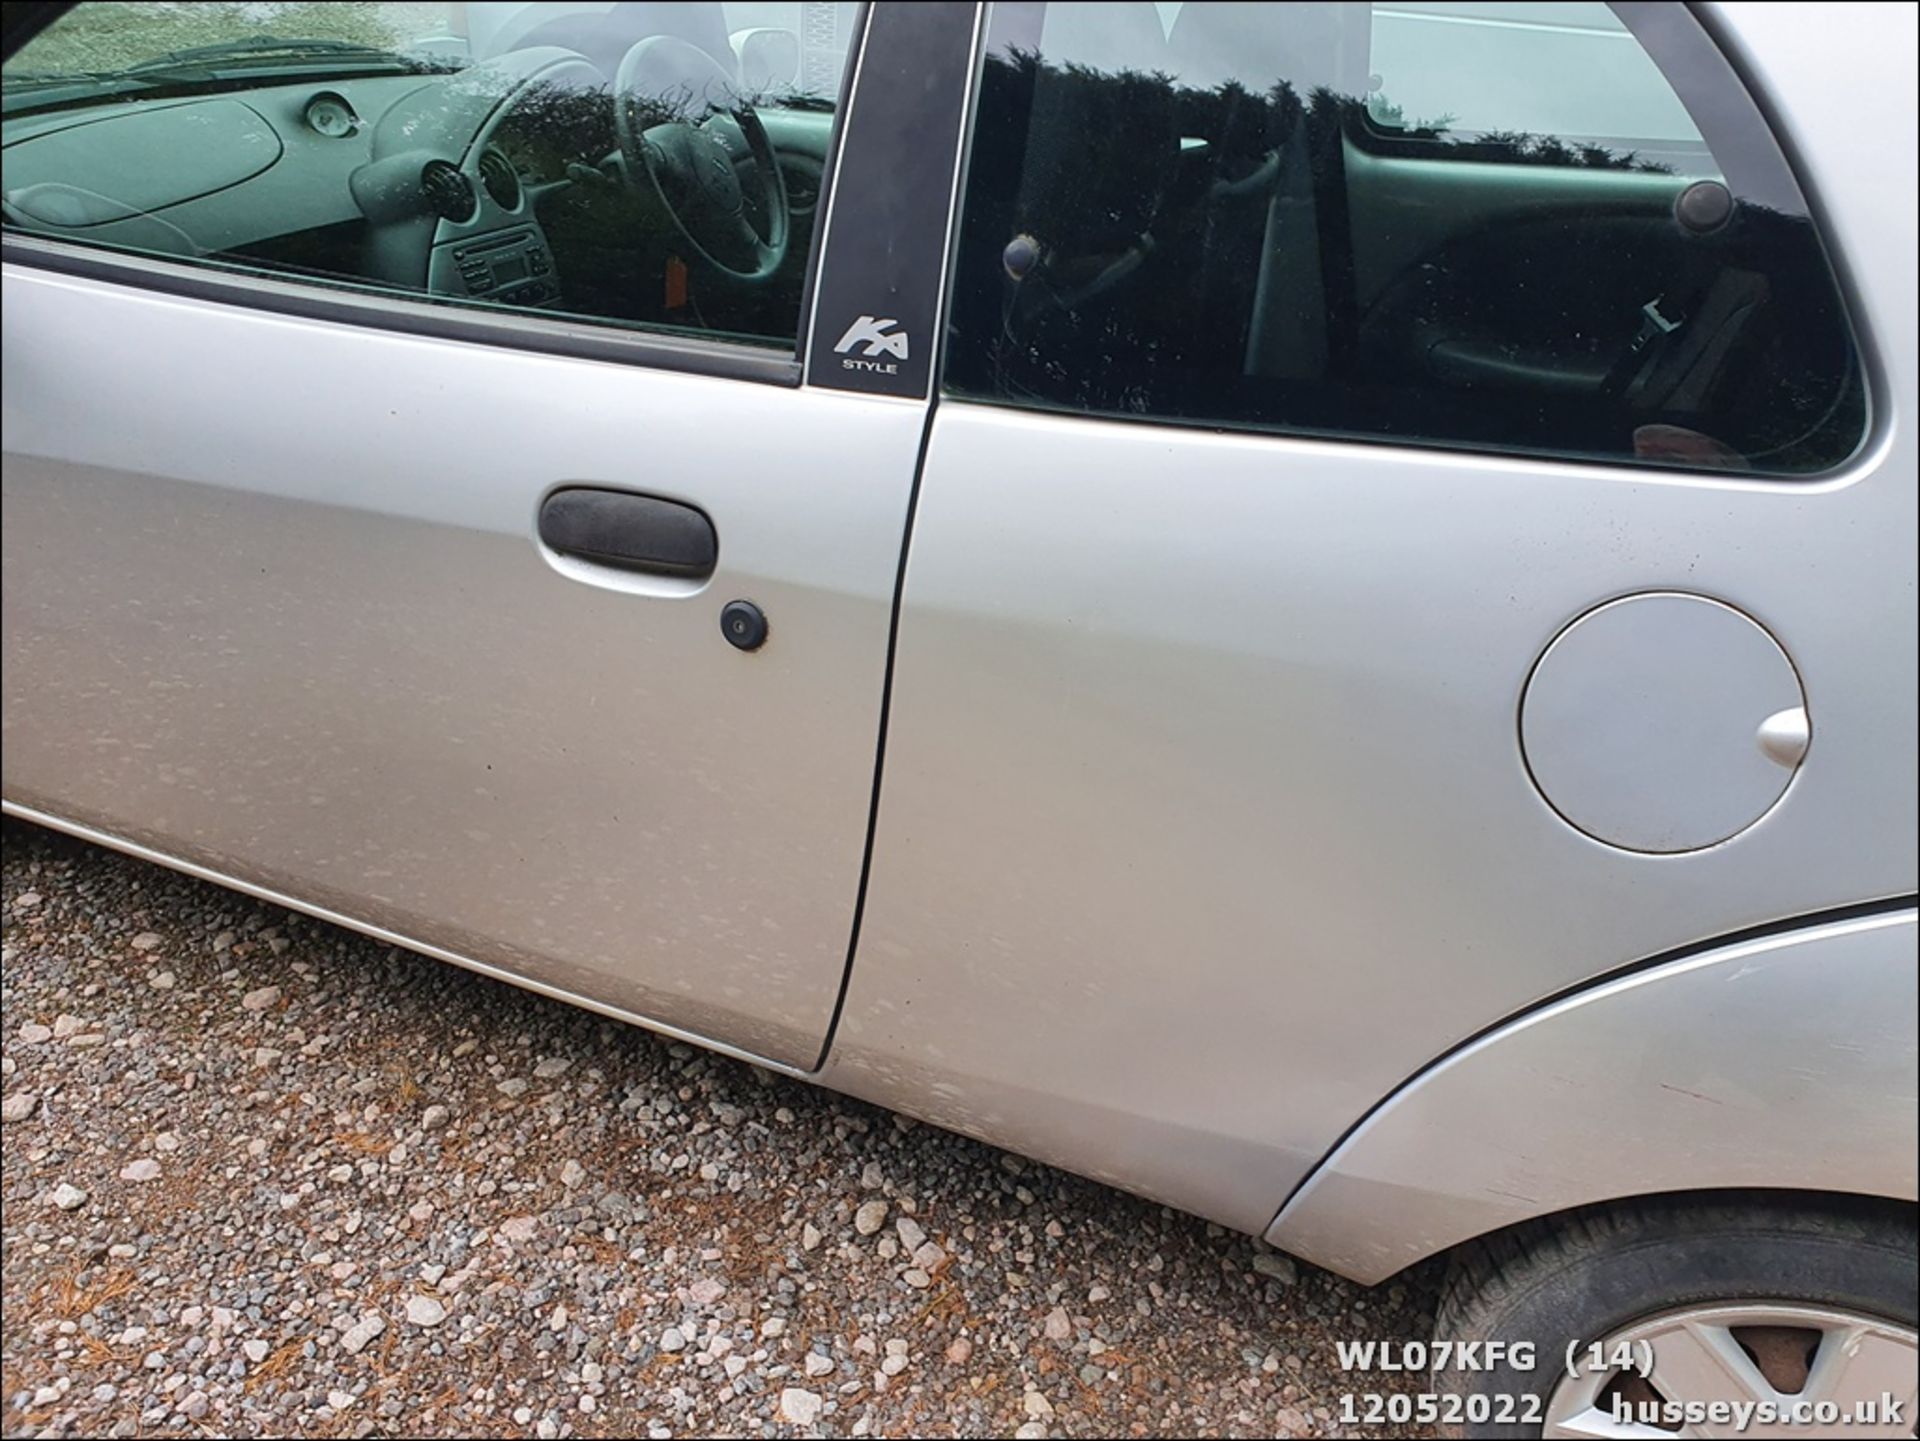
(1206, 858)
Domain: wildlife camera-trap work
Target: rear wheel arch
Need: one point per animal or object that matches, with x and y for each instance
(1785, 1062)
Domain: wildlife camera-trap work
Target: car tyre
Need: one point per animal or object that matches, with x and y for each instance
(1694, 1268)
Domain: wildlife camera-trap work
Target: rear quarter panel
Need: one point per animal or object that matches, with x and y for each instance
(1203, 825)
(1785, 1063)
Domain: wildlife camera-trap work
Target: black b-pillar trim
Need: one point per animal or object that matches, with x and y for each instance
(884, 260)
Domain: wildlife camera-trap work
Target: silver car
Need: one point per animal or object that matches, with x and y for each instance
(1306, 609)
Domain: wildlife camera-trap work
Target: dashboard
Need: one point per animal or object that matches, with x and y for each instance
(423, 183)
(497, 184)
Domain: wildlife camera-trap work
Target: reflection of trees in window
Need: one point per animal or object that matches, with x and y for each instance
(1167, 234)
(554, 123)
(1381, 118)
(1520, 147)
(108, 35)
(1133, 121)
(1100, 159)
(1389, 114)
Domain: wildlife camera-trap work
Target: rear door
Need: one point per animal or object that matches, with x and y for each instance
(1409, 528)
(288, 595)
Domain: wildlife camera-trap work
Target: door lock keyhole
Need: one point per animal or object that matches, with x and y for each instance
(743, 624)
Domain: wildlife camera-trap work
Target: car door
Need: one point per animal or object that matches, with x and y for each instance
(1370, 574)
(290, 599)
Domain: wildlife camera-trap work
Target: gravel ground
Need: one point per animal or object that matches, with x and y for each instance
(264, 1176)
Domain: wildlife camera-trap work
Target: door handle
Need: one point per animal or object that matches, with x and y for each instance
(633, 532)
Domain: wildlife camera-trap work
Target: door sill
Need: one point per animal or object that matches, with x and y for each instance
(392, 938)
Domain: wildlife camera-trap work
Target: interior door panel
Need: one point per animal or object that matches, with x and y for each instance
(1461, 269)
(1403, 209)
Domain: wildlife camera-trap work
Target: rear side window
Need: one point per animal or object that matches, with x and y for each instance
(655, 167)
(1472, 72)
(1557, 230)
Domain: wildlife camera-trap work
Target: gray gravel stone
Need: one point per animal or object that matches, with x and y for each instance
(68, 1197)
(355, 1338)
(684, 1241)
(1277, 1267)
(798, 1407)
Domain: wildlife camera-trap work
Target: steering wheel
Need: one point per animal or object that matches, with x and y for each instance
(667, 97)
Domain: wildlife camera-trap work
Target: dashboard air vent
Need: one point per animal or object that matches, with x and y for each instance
(448, 191)
(500, 178)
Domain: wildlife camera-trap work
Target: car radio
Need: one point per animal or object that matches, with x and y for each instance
(512, 266)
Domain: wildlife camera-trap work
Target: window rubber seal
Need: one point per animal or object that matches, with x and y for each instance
(404, 315)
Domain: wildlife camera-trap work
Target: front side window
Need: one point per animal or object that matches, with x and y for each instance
(645, 166)
(1493, 226)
